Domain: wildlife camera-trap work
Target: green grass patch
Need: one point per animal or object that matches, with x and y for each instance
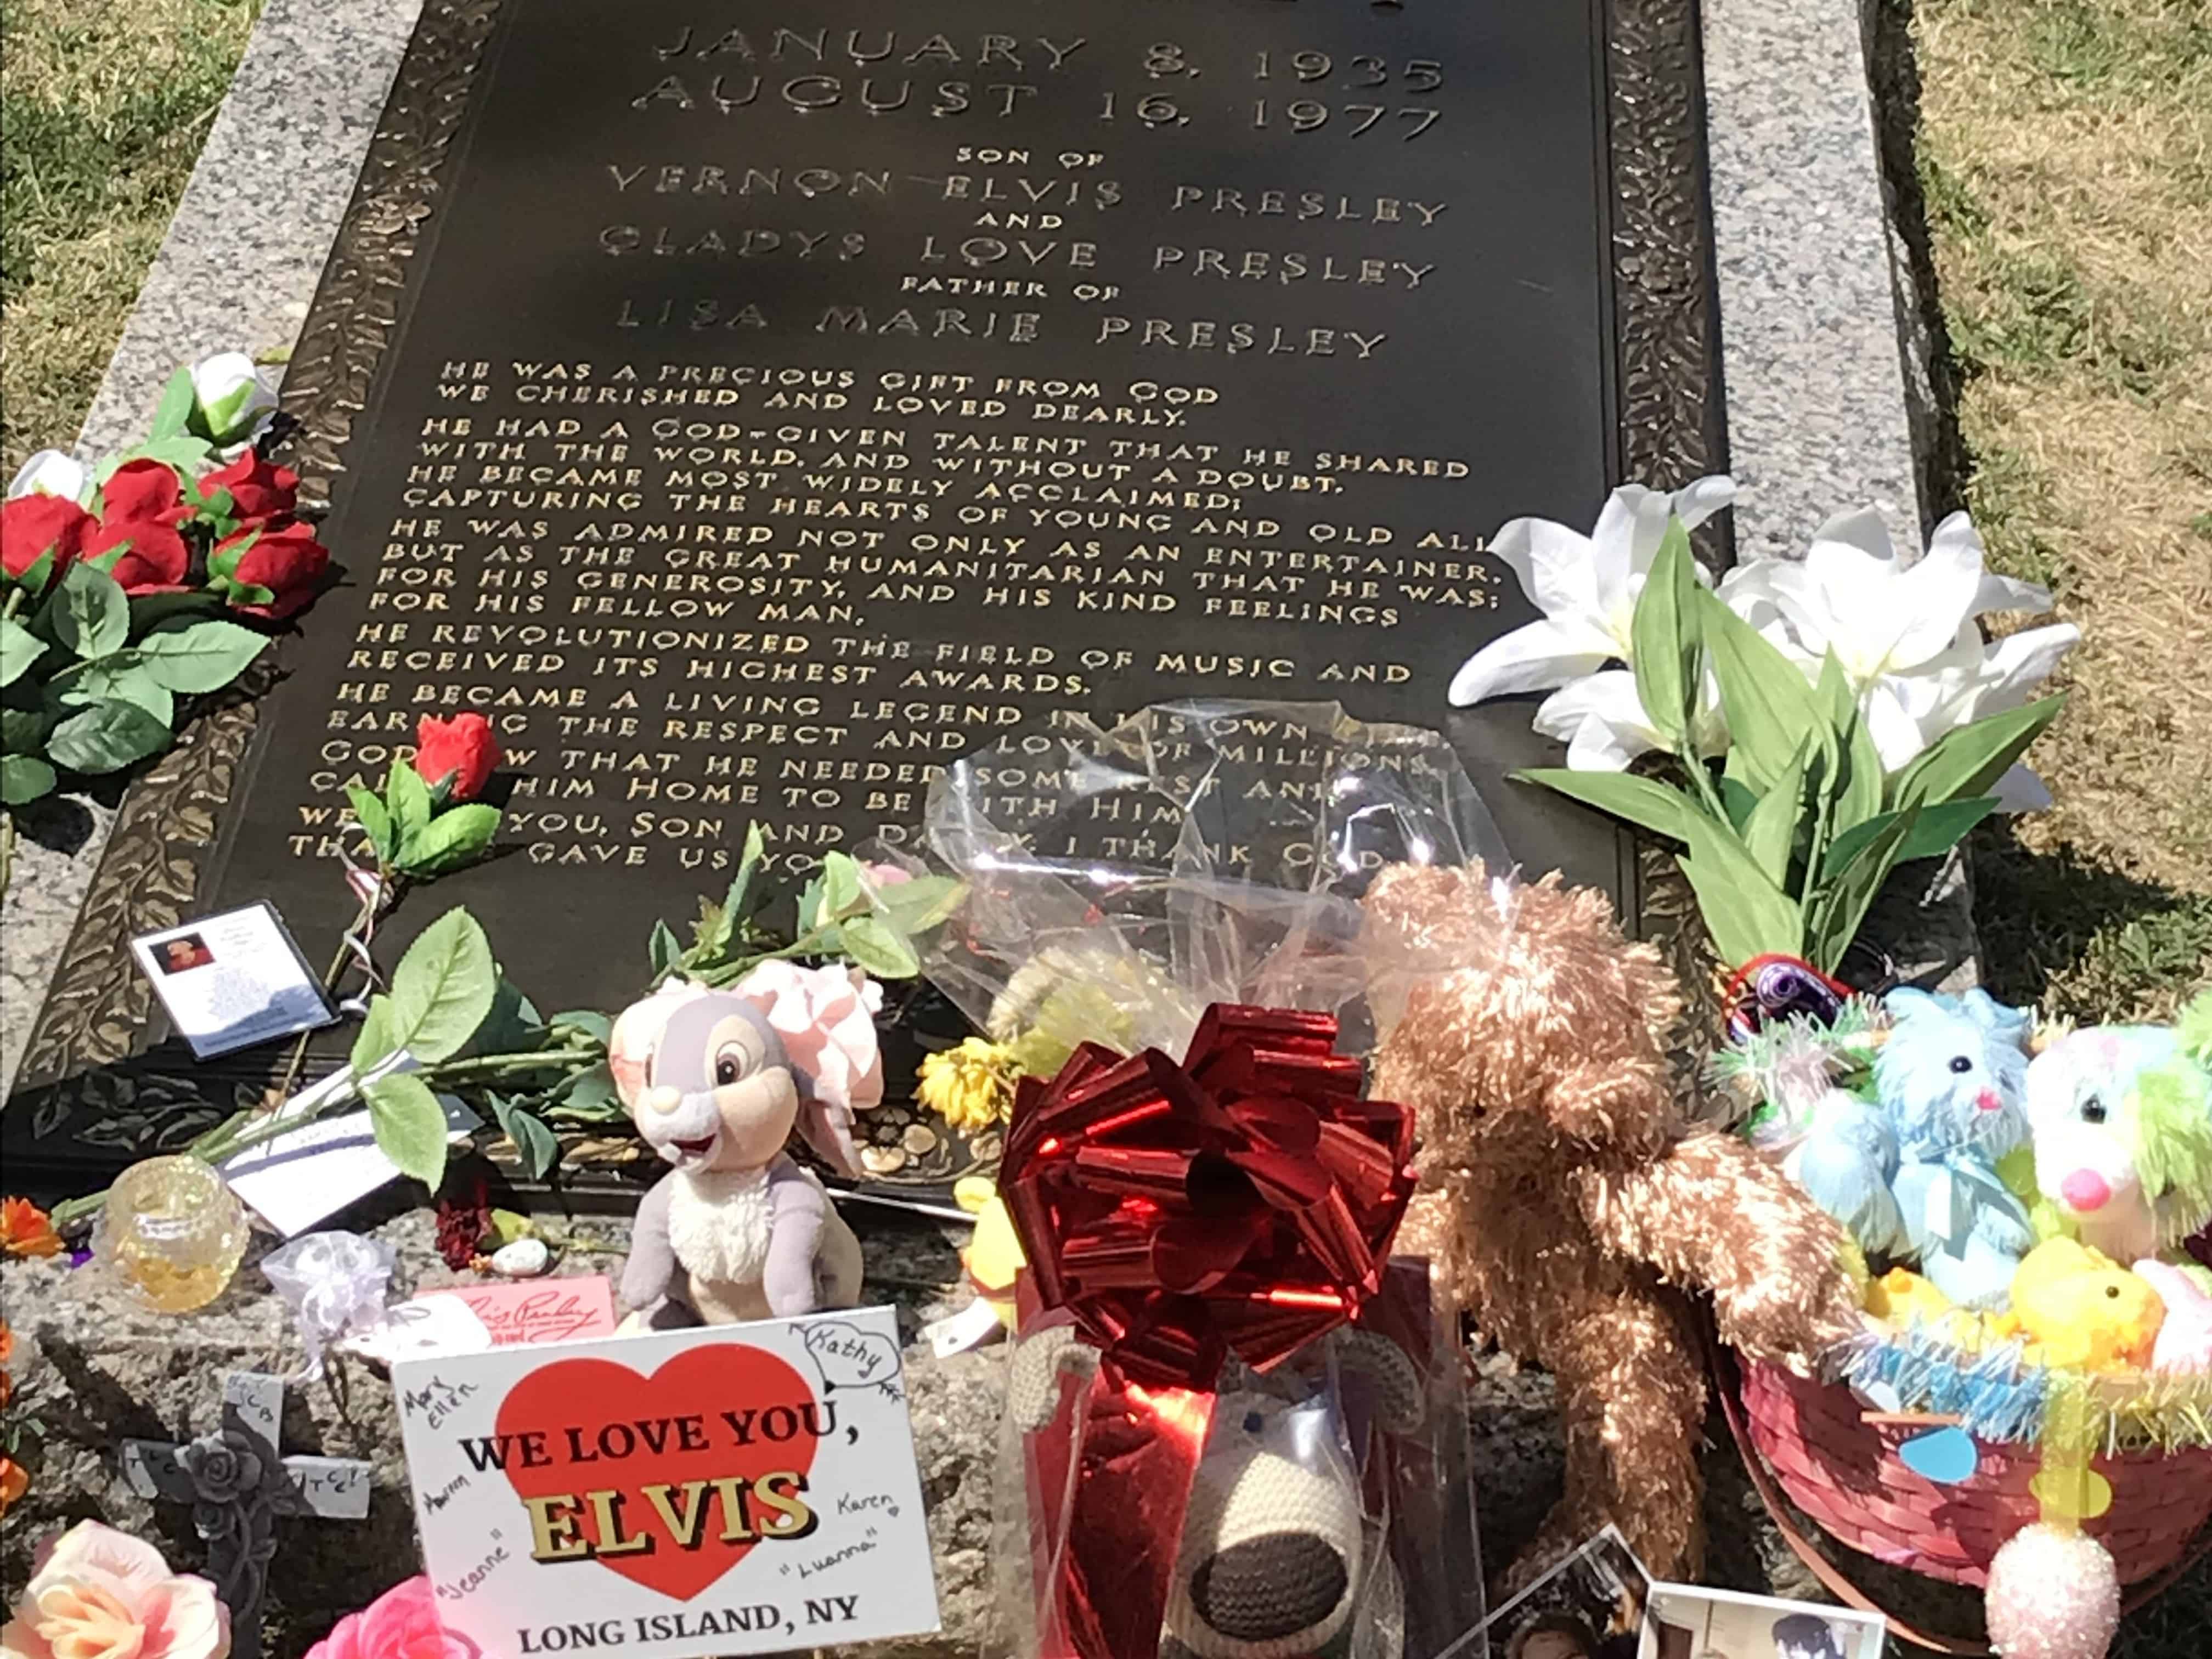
(104, 107)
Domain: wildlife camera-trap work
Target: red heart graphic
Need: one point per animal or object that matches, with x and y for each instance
(574, 1403)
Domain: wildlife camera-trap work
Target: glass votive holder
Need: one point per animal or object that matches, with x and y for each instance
(171, 1233)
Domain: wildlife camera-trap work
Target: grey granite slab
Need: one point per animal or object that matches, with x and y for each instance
(1816, 388)
(288, 140)
(1812, 351)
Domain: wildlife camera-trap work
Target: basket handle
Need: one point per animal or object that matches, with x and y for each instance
(1839, 1583)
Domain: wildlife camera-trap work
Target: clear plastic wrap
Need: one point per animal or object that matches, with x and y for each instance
(1120, 880)
(1324, 1507)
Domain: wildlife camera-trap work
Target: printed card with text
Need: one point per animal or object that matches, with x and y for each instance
(729, 1490)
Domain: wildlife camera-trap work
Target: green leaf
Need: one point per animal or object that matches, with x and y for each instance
(711, 933)
(1746, 914)
(1938, 829)
(1642, 801)
(374, 1043)
(450, 840)
(809, 906)
(663, 948)
(375, 821)
(840, 887)
(19, 649)
(1840, 903)
(1968, 761)
(23, 731)
(409, 1126)
(119, 678)
(1770, 834)
(23, 778)
(1770, 708)
(1738, 800)
(507, 1225)
(879, 947)
(175, 409)
(1856, 784)
(1663, 637)
(590, 1021)
(91, 616)
(512, 1026)
(408, 797)
(915, 906)
(590, 1094)
(150, 611)
(106, 738)
(200, 656)
(184, 454)
(443, 987)
(534, 1144)
(741, 884)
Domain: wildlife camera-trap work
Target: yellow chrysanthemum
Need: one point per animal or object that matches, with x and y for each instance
(970, 1086)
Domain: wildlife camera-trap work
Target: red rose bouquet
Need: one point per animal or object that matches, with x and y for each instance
(114, 582)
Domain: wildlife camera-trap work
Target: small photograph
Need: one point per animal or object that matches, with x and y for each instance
(1589, 1607)
(186, 951)
(1687, 1623)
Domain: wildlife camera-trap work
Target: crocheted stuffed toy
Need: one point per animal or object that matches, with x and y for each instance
(1570, 1201)
(1278, 1558)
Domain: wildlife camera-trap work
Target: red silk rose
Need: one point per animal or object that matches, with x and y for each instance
(458, 753)
(136, 540)
(258, 489)
(33, 525)
(1243, 1202)
(281, 558)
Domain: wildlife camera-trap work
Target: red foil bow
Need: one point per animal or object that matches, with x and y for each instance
(1240, 1202)
(1243, 1202)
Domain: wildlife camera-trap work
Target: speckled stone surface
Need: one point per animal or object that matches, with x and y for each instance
(236, 273)
(1812, 351)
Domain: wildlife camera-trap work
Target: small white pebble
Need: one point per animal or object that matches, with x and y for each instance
(526, 1258)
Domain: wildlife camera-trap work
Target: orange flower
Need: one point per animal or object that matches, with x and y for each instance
(25, 1229)
(7, 1343)
(13, 1482)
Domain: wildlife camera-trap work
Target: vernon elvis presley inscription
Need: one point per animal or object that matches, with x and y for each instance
(786, 399)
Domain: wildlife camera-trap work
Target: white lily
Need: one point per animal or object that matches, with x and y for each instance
(232, 399)
(1586, 586)
(52, 472)
(1906, 634)
(1603, 722)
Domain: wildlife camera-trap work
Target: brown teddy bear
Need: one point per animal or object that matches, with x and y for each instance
(1572, 1203)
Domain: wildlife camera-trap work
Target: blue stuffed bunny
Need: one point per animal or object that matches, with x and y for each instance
(1913, 1172)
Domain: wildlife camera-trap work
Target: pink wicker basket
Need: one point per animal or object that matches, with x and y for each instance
(1844, 1473)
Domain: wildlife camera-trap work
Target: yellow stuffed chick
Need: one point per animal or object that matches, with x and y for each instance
(2084, 1310)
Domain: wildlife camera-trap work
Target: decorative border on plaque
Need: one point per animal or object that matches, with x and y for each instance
(150, 871)
(1668, 389)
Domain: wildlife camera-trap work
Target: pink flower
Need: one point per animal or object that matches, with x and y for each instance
(826, 1020)
(880, 876)
(403, 1623)
(98, 1594)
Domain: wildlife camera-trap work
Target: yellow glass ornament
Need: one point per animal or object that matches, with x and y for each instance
(171, 1233)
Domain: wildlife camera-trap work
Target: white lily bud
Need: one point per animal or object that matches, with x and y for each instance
(51, 472)
(231, 397)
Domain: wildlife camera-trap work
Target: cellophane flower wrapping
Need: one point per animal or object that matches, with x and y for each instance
(1236, 1424)
(1120, 880)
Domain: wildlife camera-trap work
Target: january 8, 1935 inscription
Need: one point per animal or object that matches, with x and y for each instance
(788, 398)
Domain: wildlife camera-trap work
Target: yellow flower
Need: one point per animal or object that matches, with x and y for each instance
(971, 1086)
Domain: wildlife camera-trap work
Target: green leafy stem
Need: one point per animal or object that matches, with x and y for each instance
(1786, 846)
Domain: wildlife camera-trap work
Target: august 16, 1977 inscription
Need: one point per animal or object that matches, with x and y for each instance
(790, 398)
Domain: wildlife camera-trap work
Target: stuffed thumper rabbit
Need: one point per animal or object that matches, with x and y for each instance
(1278, 1557)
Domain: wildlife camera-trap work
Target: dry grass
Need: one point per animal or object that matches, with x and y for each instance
(103, 107)
(2065, 156)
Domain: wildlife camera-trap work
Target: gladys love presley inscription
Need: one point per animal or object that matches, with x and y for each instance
(773, 402)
